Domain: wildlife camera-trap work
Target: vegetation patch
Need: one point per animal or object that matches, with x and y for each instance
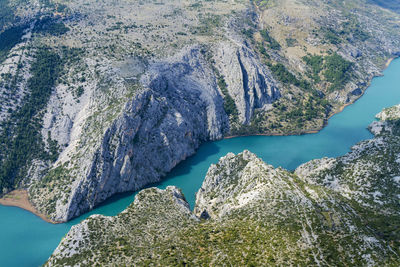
(263, 4)
(20, 138)
(311, 108)
(50, 26)
(229, 103)
(10, 38)
(315, 62)
(337, 71)
(207, 25)
(272, 43)
(283, 75)
(334, 69)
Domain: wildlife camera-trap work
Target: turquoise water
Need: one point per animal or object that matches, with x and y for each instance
(26, 240)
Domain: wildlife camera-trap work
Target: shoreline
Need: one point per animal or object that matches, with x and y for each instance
(340, 109)
(19, 198)
(388, 62)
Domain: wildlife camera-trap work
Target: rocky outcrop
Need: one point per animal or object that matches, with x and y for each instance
(389, 114)
(145, 212)
(388, 121)
(237, 181)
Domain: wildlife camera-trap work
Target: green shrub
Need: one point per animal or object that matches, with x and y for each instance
(20, 138)
(337, 70)
(272, 43)
(50, 26)
(9, 38)
(229, 103)
(285, 76)
(316, 64)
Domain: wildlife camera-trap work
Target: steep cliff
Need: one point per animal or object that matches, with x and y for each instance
(326, 212)
(178, 106)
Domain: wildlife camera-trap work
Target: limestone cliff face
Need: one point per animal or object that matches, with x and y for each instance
(249, 82)
(179, 107)
(163, 125)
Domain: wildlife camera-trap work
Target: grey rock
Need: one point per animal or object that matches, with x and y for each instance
(249, 82)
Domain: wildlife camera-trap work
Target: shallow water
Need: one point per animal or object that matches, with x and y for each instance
(26, 240)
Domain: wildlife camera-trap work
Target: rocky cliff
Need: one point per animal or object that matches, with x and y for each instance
(98, 98)
(178, 106)
(326, 212)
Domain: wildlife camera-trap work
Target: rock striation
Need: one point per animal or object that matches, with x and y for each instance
(249, 82)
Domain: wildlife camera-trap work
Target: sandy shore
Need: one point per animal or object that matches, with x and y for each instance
(389, 61)
(19, 198)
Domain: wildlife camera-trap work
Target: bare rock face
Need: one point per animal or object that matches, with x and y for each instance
(389, 114)
(388, 121)
(161, 126)
(230, 184)
(249, 82)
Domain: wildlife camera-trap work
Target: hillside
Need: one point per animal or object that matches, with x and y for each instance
(341, 211)
(93, 91)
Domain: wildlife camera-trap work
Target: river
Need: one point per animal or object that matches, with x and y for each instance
(26, 240)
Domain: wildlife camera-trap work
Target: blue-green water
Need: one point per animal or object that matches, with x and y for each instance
(26, 240)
